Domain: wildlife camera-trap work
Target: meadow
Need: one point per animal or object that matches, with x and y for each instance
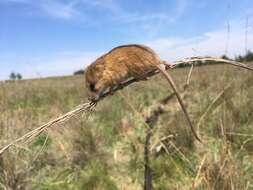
(104, 150)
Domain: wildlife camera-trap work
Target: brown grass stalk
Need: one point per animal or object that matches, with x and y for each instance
(36, 132)
(215, 103)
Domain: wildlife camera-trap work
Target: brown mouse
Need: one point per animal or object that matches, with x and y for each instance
(124, 62)
(118, 65)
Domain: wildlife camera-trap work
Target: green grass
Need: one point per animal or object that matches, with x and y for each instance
(104, 150)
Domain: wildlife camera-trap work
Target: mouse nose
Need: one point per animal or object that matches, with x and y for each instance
(93, 97)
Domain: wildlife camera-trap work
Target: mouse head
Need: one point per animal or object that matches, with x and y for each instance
(93, 78)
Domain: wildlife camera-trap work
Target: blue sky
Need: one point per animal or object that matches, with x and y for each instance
(40, 38)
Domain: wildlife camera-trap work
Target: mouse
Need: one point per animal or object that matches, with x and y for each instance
(118, 65)
(122, 63)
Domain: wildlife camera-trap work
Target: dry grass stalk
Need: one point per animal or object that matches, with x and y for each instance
(215, 103)
(189, 76)
(198, 178)
(42, 148)
(34, 133)
(173, 86)
(210, 59)
(191, 60)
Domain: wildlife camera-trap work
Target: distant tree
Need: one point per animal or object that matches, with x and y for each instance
(13, 76)
(79, 72)
(239, 58)
(225, 57)
(249, 56)
(18, 76)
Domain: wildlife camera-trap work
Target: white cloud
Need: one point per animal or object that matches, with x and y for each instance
(62, 63)
(135, 17)
(211, 43)
(59, 10)
(66, 63)
(67, 9)
(108, 5)
(151, 22)
(181, 6)
(15, 1)
(51, 8)
(171, 15)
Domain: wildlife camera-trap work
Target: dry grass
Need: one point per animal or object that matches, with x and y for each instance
(105, 150)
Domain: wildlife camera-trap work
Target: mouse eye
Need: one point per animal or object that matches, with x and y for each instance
(92, 88)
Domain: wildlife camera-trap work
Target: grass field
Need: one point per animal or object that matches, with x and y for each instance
(104, 150)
